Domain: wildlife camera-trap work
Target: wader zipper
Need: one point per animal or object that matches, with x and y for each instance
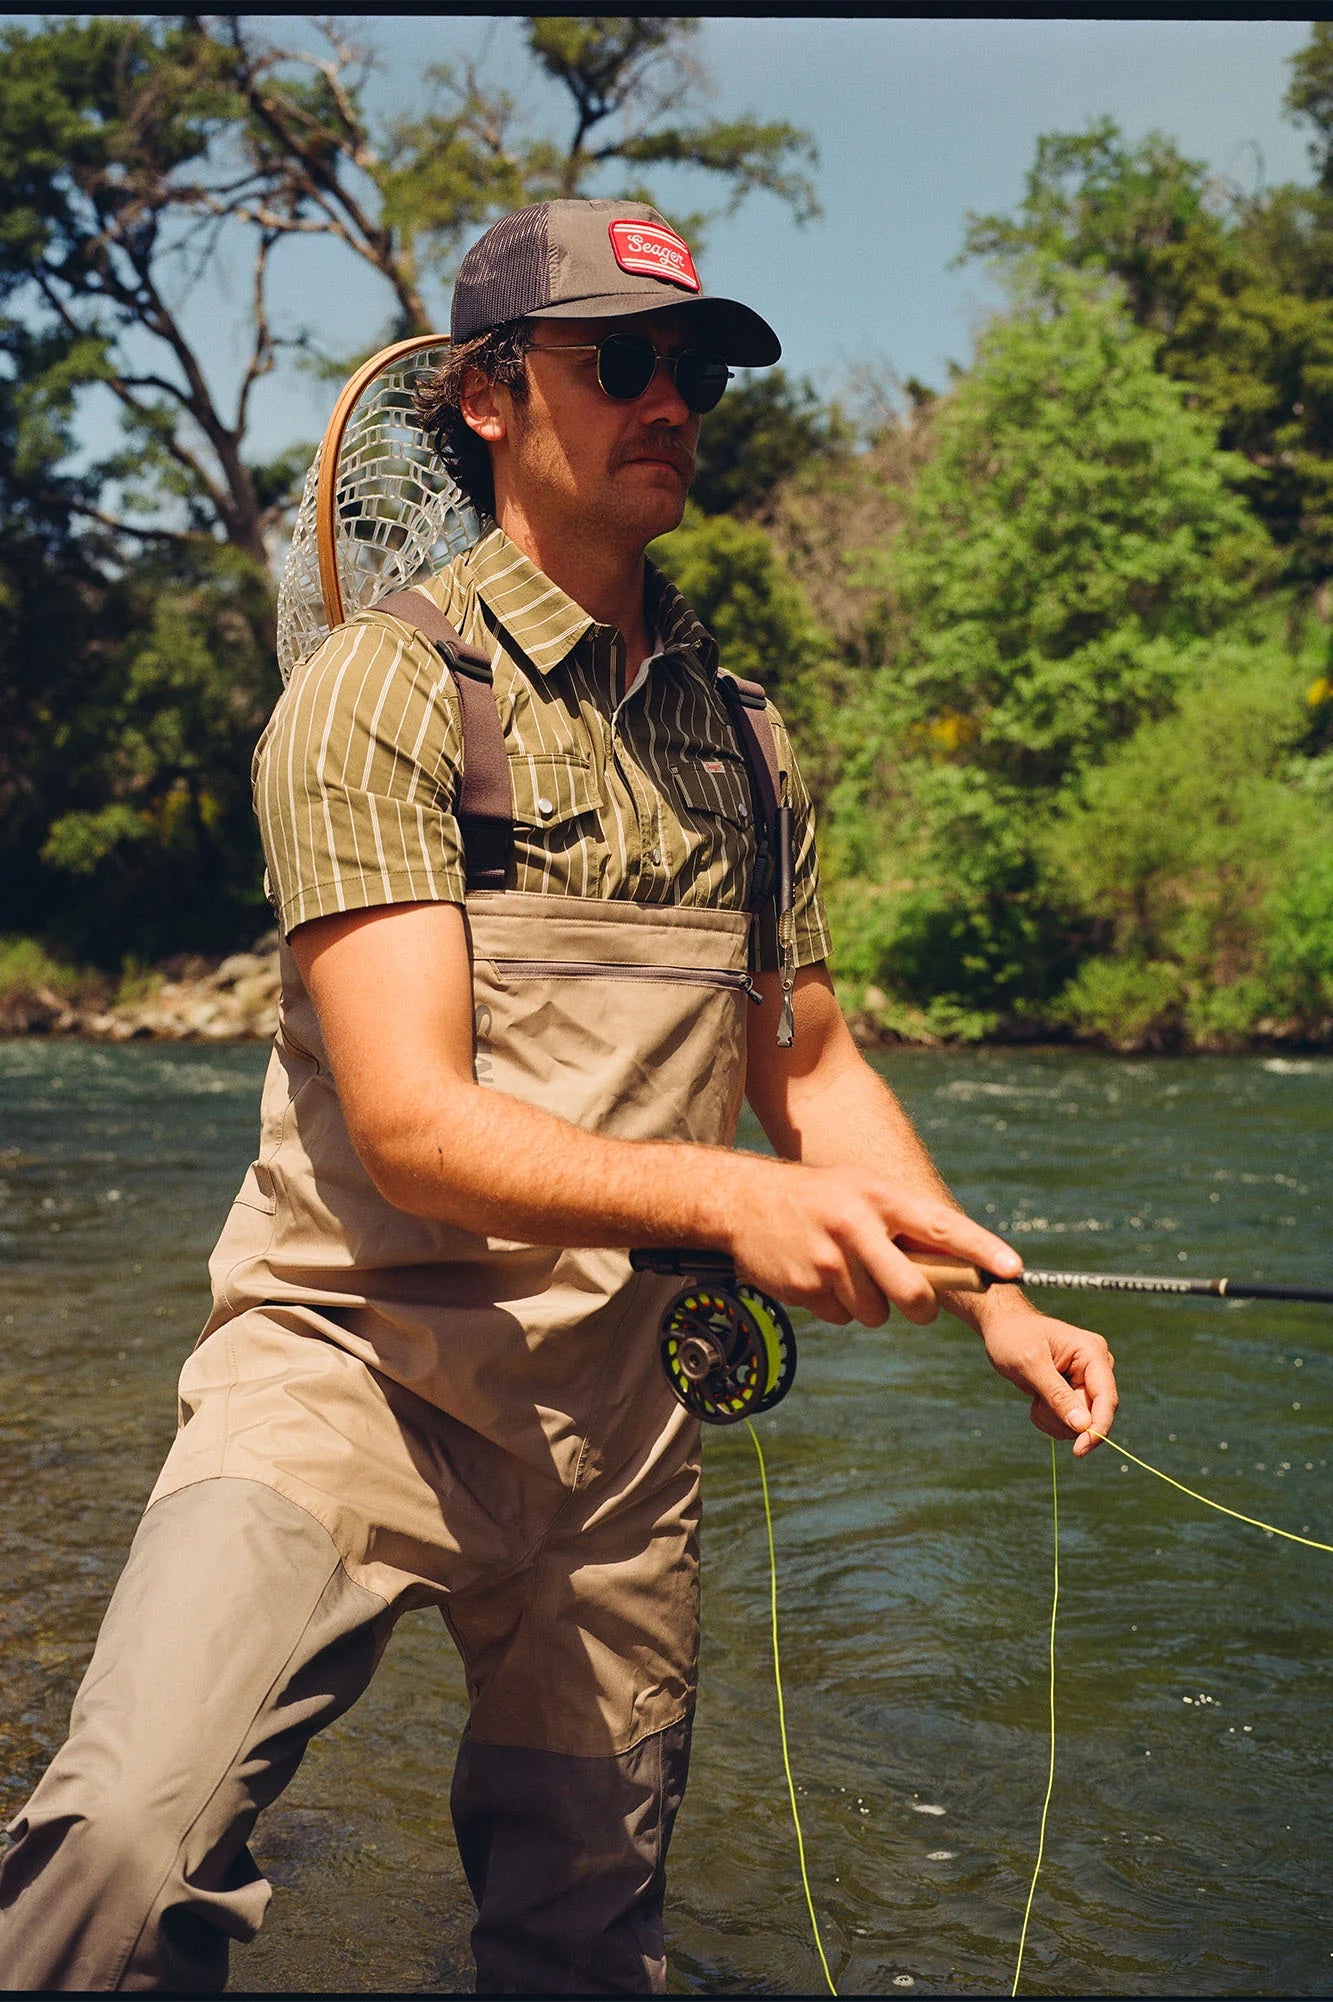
(615, 969)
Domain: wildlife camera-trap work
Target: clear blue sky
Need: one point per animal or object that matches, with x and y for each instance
(916, 122)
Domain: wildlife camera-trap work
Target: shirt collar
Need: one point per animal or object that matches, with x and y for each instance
(542, 618)
(548, 625)
(679, 629)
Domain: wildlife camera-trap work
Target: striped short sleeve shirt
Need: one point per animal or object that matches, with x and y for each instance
(641, 794)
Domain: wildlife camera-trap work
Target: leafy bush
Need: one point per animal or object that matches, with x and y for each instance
(26, 968)
(1068, 551)
(1181, 847)
(731, 575)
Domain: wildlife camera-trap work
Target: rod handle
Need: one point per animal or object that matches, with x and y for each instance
(948, 1275)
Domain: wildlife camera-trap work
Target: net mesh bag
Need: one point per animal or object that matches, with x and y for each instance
(398, 513)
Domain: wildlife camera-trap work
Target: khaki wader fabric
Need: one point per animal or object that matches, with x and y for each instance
(456, 1419)
(131, 1868)
(560, 1452)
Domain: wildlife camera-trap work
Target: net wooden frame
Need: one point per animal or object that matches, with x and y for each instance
(378, 510)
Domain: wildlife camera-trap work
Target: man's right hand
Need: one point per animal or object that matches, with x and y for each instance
(831, 1240)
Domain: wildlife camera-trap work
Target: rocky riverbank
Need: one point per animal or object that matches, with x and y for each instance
(188, 998)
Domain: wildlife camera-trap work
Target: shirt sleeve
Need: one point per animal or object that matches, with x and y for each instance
(356, 778)
(811, 934)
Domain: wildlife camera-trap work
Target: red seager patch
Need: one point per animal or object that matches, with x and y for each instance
(651, 250)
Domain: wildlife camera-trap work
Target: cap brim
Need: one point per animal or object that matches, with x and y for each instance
(736, 333)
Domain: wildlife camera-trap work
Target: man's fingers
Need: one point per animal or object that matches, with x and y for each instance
(1099, 1385)
(928, 1225)
(901, 1282)
(1067, 1406)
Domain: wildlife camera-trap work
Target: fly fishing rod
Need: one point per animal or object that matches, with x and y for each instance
(729, 1351)
(948, 1275)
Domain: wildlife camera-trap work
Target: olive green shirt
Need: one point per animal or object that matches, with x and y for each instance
(641, 794)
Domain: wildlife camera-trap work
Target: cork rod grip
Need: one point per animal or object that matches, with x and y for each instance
(946, 1275)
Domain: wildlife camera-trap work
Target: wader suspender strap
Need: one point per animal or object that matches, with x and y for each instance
(485, 801)
(772, 886)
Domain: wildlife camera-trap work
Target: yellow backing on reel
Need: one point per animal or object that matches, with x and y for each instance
(728, 1351)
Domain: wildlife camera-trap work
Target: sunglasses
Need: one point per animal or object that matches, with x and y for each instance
(627, 363)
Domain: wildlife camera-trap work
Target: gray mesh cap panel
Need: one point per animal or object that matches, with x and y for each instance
(505, 275)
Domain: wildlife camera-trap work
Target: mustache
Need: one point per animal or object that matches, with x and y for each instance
(673, 446)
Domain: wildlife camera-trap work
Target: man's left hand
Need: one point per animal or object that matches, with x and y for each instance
(1068, 1372)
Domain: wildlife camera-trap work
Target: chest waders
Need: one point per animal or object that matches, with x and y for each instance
(385, 1412)
(626, 1019)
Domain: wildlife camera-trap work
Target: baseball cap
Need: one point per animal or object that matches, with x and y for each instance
(589, 260)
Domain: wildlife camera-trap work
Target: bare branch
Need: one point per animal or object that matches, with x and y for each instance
(262, 353)
(160, 382)
(178, 536)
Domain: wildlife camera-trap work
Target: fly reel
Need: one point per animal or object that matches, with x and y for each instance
(727, 1348)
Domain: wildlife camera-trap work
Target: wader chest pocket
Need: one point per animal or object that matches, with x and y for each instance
(552, 789)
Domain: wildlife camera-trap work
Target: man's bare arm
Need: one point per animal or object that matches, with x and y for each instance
(820, 1103)
(393, 991)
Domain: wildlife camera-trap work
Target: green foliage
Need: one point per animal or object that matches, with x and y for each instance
(1310, 97)
(1053, 645)
(132, 147)
(1300, 961)
(765, 429)
(26, 967)
(1066, 551)
(1237, 288)
(136, 648)
(1072, 533)
(731, 575)
(1180, 848)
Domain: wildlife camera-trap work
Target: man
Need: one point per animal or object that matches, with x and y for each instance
(511, 1048)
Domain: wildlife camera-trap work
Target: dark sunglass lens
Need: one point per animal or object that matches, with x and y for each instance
(626, 364)
(701, 380)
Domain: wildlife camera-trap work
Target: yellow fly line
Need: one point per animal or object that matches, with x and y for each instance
(1253, 1522)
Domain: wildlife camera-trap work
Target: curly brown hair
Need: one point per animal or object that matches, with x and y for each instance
(499, 355)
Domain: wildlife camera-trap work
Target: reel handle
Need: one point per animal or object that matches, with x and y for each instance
(672, 1261)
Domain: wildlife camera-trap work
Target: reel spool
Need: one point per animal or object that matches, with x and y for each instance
(728, 1351)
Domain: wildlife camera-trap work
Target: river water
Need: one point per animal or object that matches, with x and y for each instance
(1189, 1847)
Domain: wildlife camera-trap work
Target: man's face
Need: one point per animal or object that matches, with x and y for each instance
(572, 457)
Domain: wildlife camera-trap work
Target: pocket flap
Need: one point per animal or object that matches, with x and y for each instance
(708, 783)
(551, 787)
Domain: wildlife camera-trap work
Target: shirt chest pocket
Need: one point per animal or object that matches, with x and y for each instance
(552, 790)
(710, 790)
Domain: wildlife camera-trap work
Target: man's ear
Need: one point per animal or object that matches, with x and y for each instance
(481, 409)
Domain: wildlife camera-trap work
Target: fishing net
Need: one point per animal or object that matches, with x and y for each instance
(396, 512)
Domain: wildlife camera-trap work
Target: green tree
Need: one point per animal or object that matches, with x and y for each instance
(764, 430)
(1237, 287)
(732, 576)
(1068, 546)
(1072, 533)
(133, 147)
(1202, 866)
(136, 667)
